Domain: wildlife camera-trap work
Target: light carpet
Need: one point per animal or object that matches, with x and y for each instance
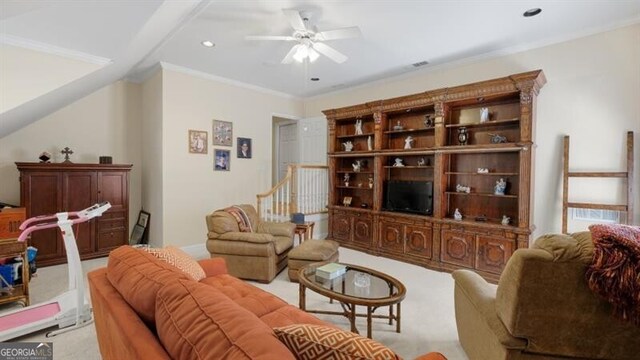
(428, 318)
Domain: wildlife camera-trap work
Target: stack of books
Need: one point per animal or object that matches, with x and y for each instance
(331, 271)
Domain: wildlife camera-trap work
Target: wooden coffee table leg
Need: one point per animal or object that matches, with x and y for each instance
(369, 312)
(397, 319)
(390, 314)
(302, 297)
(352, 319)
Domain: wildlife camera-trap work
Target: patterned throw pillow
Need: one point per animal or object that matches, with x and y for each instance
(317, 342)
(180, 259)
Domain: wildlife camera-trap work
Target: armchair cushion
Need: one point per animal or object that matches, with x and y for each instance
(277, 229)
(248, 237)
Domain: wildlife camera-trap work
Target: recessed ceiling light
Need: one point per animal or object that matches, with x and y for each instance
(315, 79)
(532, 12)
(208, 43)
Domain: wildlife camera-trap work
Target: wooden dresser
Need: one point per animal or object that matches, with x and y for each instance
(51, 188)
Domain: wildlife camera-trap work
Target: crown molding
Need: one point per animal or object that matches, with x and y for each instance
(53, 50)
(207, 76)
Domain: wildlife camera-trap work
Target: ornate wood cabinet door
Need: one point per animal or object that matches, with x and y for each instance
(457, 248)
(363, 230)
(419, 241)
(493, 253)
(341, 227)
(391, 237)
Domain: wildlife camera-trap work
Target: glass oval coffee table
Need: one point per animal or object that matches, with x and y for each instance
(359, 286)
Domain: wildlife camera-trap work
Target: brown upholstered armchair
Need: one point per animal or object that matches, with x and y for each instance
(259, 255)
(541, 308)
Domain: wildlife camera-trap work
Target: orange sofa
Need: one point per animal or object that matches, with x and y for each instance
(145, 308)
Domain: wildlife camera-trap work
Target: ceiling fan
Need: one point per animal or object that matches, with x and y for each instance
(310, 41)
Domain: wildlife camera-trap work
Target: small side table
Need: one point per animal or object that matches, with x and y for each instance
(305, 229)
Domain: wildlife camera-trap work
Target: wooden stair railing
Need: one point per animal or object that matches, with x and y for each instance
(304, 189)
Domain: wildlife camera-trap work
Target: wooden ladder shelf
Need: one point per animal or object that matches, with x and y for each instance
(628, 175)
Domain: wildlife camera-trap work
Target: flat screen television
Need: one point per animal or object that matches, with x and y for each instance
(409, 196)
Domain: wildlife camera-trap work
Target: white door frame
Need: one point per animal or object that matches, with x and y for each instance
(276, 142)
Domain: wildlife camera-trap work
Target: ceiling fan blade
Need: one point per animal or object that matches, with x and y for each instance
(269, 37)
(344, 33)
(330, 52)
(295, 19)
(288, 59)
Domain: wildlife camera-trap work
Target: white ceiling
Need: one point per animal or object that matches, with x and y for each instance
(395, 34)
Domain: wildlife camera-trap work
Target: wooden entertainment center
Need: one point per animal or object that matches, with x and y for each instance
(500, 140)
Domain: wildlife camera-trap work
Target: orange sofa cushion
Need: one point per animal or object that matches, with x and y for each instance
(138, 275)
(310, 342)
(196, 321)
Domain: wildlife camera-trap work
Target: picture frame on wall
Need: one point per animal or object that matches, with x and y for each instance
(222, 160)
(222, 133)
(198, 142)
(244, 148)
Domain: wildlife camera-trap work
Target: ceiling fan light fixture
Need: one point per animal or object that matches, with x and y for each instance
(207, 43)
(313, 55)
(302, 53)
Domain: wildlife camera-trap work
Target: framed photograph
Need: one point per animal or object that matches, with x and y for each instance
(198, 142)
(346, 201)
(140, 233)
(137, 235)
(222, 133)
(244, 148)
(222, 160)
(143, 218)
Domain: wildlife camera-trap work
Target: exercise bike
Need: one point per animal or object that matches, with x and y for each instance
(69, 310)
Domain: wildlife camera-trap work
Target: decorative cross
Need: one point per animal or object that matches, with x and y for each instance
(66, 153)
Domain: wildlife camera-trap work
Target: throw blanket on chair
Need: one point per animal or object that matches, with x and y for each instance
(241, 217)
(614, 272)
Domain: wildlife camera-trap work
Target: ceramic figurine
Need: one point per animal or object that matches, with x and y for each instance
(498, 139)
(505, 220)
(500, 187)
(346, 179)
(359, 127)
(369, 143)
(398, 163)
(398, 127)
(357, 166)
(483, 170)
(408, 141)
(463, 136)
(348, 146)
(484, 115)
(463, 189)
(422, 162)
(457, 215)
(428, 121)
(370, 182)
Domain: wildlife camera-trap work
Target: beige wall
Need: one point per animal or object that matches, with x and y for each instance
(151, 138)
(592, 94)
(26, 74)
(106, 122)
(191, 188)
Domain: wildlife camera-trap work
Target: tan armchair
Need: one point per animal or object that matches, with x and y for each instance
(259, 255)
(541, 308)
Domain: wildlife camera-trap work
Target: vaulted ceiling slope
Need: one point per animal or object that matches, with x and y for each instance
(136, 35)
